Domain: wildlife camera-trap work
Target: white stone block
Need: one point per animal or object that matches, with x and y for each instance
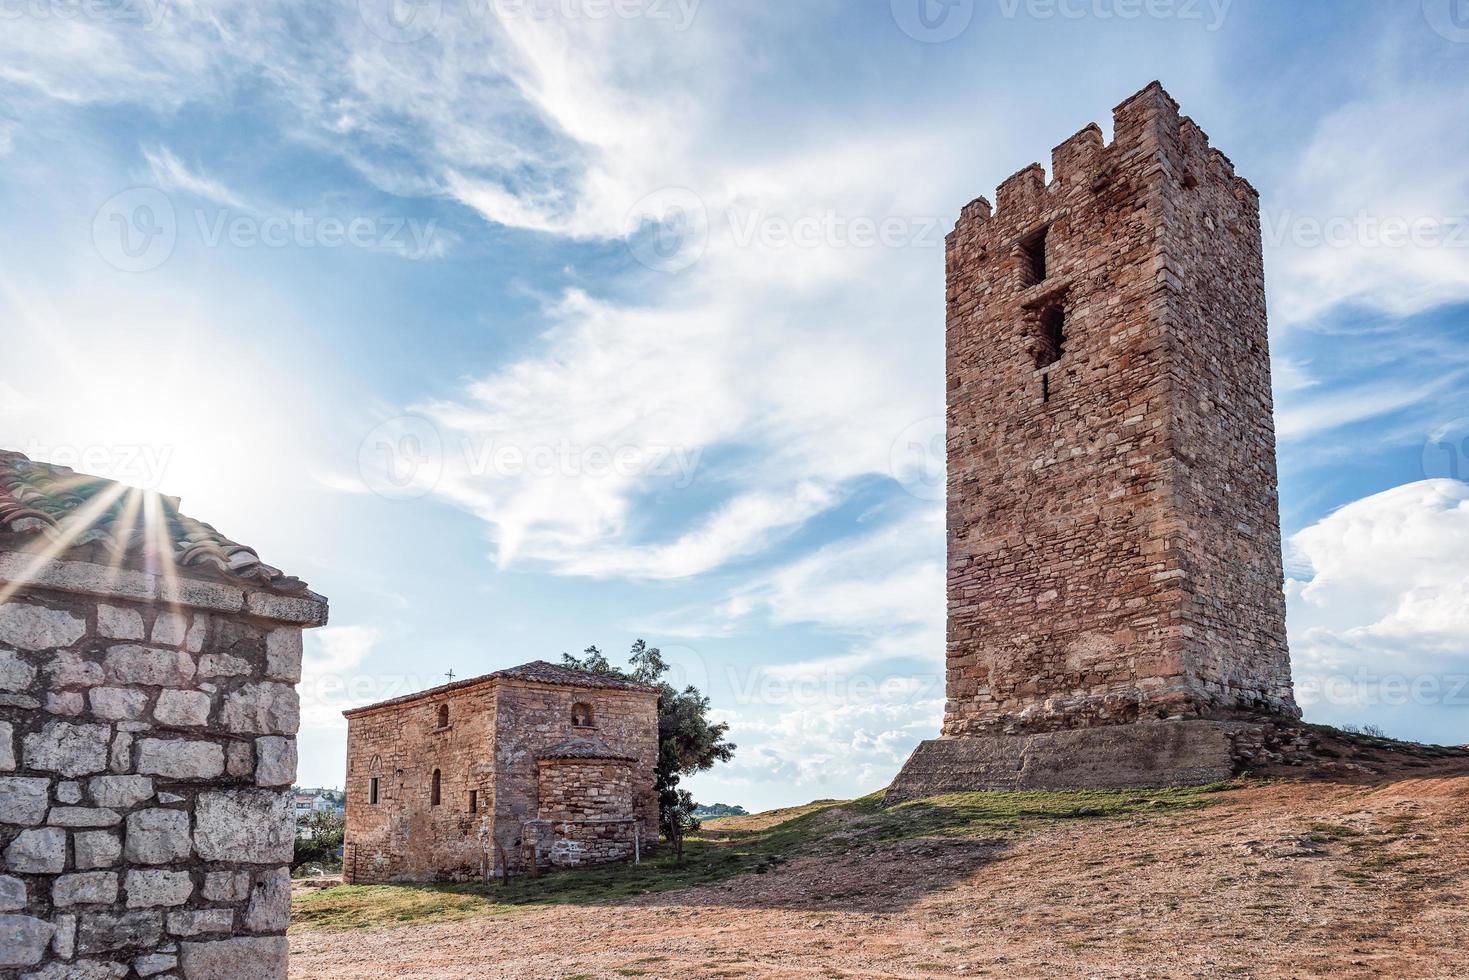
(118, 703)
(180, 759)
(170, 628)
(148, 667)
(153, 888)
(250, 826)
(7, 747)
(32, 627)
(12, 894)
(23, 940)
(182, 709)
(266, 708)
(158, 837)
(71, 670)
(196, 923)
(95, 849)
(120, 791)
(119, 623)
(85, 888)
(254, 958)
(72, 750)
(23, 801)
(16, 674)
(283, 654)
(83, 816)
(38, 852)
(67, 704)
(270, 902)
(275, 763)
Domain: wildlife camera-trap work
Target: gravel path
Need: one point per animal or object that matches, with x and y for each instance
(1287, 880)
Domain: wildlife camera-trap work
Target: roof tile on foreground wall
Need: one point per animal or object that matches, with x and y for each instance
(536, 672)
(85, 513)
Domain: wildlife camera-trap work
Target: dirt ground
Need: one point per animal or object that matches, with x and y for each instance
(1297, 879)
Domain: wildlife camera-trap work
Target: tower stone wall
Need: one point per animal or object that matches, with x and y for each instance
(1114, 541)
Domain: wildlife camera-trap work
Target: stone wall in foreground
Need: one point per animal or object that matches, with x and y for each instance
(147, 750)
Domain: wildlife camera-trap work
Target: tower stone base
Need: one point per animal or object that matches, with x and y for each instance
(1140, 756)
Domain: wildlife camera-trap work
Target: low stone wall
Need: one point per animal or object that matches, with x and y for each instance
(570, 843)
(147, 751)
(1165, 753)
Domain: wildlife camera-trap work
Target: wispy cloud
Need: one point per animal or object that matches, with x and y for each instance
(170, 174)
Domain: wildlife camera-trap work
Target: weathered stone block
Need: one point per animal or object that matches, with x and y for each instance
(262, 709)
(270, 902)
(200, 921)
(283, 655)
(69, 792)
(119, 623)
(254, 958)
(68, 704)
(67, 669)
(24, 800)
(148, 667)
(182, 709)
(120, 759)
(64, 943)
(223, 665)
(119, 703)
(15, 674)
(286, 609)
(180, 759)
(105, 932)
(226, 886)
(152, 888)
(72, 750)
(7, 747)
(241, 759)
(83, 816)
(276, 761)
(31, 627)
(158, 837)
(170, 628)
(86, 888)
(80, 970)
(154, 963)
(198, 633)
(252, 826)
(120, 791)
(12, 894)
(95, 849)
(23, 940)
(39, 852)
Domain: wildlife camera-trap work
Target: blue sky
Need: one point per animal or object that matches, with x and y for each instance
(519, 326)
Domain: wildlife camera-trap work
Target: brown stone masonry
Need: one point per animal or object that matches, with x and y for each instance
(1114, 542)
(538, 763)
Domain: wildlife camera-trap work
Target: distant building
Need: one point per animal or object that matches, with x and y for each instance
(537, 764)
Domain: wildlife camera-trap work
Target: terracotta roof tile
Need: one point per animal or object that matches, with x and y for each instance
(538, 672)
(59, 505)
(589, 747)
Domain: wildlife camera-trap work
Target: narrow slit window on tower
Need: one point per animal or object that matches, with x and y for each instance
(1033, 257)
(443, 716)
(1051, 343)
(474, 801)
(372, 791)
(434, 790)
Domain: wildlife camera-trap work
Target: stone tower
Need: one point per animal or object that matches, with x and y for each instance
(1114, 537)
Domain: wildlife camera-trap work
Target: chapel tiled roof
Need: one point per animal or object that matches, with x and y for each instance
(81, 513)
(589, 747)
(537, 672)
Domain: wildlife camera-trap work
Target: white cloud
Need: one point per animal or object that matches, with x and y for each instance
(171, 174)
(1384, 614)
(330, 674)
(1351, 187)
